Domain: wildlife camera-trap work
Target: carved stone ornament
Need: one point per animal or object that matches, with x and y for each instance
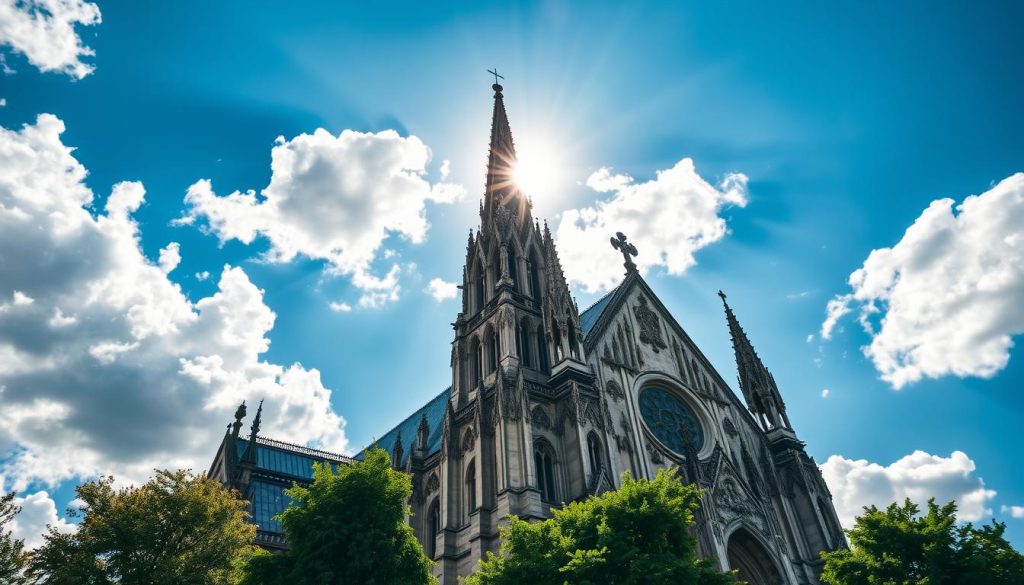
(614, 390)
(468, 440)
(433, 483)
(656, 456)
(541, 418)
(650, 325)
(504, 217)
(733, 503)
(730, 429)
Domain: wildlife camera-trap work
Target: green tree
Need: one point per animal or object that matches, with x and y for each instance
(12, 550)
(175, 529)
(898, 546)
(637, 534)
(348, 526)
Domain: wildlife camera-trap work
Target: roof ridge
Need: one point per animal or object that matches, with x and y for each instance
(267, 441)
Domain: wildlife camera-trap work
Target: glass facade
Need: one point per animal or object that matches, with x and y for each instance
(267, 500)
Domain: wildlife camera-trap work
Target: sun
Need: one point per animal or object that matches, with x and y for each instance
(538, 171)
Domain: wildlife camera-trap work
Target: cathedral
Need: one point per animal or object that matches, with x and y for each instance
(549, 404)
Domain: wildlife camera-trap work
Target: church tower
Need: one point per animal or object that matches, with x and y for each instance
(518, 346)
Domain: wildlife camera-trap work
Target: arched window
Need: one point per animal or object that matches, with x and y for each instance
(544, 460)
(478, 286)
(556, 338)
(534, 267)
(492, 349)
(470, 488)
(574, 349)
(594, 449)
(524, 344)
(476, 367)
(542, 349)
(513, 267)
(434, 527)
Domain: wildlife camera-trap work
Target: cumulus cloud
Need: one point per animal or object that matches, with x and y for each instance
(668, 218)
(106, 326)
(1013, 511)
(946, 298)
(441, 289)
(333, 198)
(38, 511)
(44, 31)
(825, 392)
(918, 476)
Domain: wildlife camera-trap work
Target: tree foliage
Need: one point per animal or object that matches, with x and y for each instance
(175, 529)
(898, 546)
(12, 550)
(348, 526)
(637, 534)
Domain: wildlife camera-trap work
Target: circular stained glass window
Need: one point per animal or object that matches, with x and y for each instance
(669, 417)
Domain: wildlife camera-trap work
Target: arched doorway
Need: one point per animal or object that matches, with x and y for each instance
(752, 560)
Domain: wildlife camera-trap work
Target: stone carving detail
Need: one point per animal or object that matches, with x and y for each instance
(614, 390)
(733, 502)
(566, 417)
(625, 440)
(509, 316)
(541, 418)
(609, 423)
(650, 325)
(656, 456)
(730, 429)
(433, 484)
(468, 440)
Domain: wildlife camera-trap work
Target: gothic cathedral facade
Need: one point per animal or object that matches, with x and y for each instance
(548, 404)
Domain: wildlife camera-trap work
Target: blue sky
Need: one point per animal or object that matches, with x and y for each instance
(847, 121)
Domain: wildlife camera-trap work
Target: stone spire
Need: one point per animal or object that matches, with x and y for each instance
(501, 162)
(250, 450)
(756, 382)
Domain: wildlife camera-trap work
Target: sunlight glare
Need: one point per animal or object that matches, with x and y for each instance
(538, 172)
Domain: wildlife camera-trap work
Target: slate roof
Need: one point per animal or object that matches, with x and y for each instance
(408, 427)
(589, 317)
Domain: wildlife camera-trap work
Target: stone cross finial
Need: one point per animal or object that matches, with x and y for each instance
(496, 76)
(619, 243)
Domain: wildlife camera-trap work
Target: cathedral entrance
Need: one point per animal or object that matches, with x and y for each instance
(752, 560)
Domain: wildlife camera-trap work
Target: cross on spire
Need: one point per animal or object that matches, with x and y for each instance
(496, 76)
(619, 243)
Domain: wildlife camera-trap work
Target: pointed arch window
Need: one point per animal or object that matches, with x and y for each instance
(594, 450)
(574, 349)
(470, 488)
(513, 267)
(544, 461)
(434, 527)
(492, 350)
(479, 280)
(524, 344)
(534, 268)
(542, 349)
(476, 363)
(556, 337)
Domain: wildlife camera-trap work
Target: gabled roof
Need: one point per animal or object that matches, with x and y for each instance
(407, 429)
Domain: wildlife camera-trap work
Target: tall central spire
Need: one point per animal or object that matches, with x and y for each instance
(501, 163)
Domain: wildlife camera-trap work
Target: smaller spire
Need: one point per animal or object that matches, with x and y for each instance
(423, 432)
(255, 429)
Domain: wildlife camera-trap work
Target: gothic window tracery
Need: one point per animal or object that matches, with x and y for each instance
(524, 344)
(492, 349)
(534, 268)
(544, 461)
(668, 417)
(542, 349)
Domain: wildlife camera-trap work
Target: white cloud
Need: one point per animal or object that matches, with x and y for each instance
(38, 511)
(107, 327)
(44, 31)
(668, 218)
(340, 307)
(204, 275)
(1013, 511)
(946, 298)
(441, 289)
(825, 392)
(918, 476)
(810, 338)
(333, 198)
(170, 257)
